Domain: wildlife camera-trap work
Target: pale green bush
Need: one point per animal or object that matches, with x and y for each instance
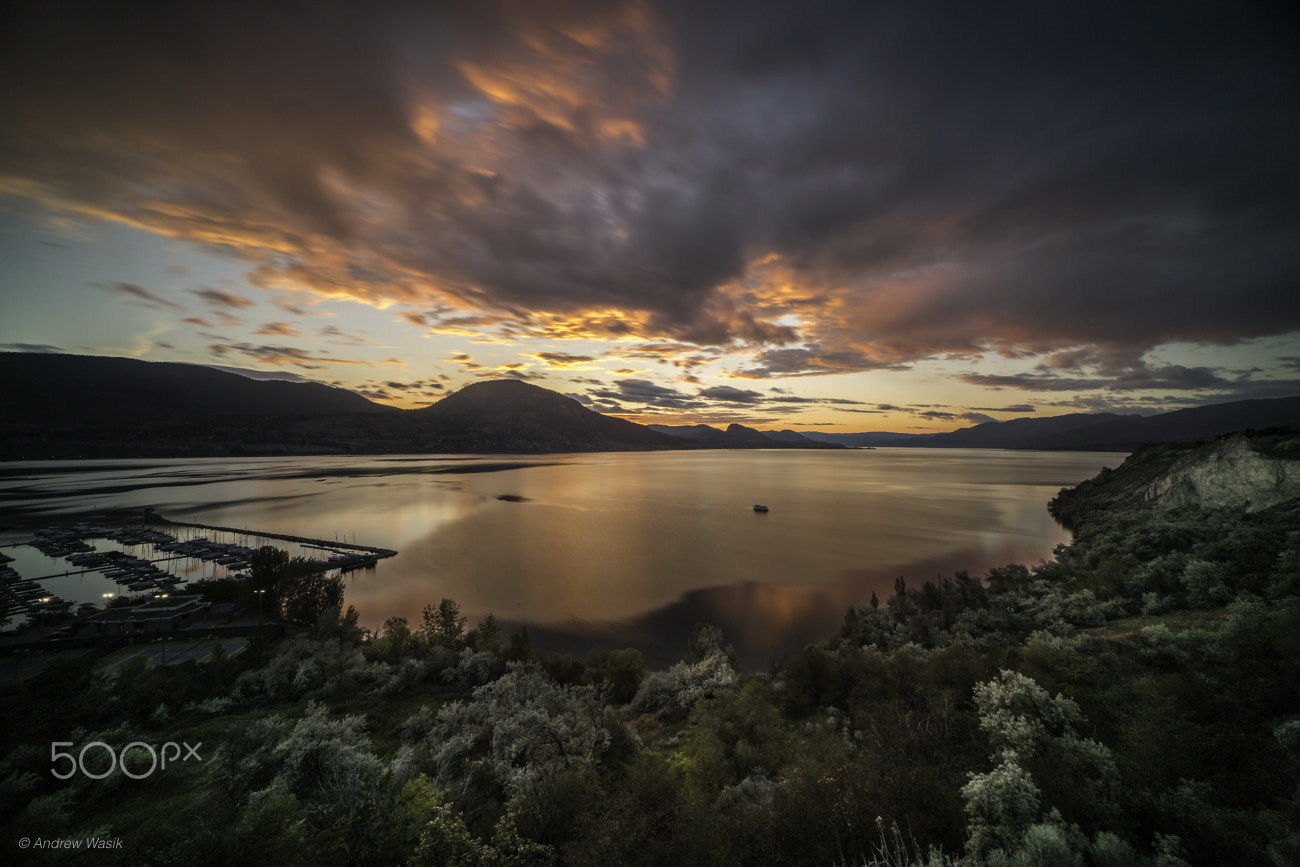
(519, 729)
(671, 694)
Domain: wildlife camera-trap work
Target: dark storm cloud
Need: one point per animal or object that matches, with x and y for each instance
(813, 361)
(727, 394)
(131, 290)
(1129, 377)
(277, 355)
(936, 179)
(1032, 381)
(831, 401)
(418, 385)
(645, 393)
(43, 348)
(563, 359)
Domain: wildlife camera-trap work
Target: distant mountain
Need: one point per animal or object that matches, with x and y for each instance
(1021, 433)
(867, 438)
(61, 406)
(1110, 432)
(68, 406)
(507, 415)
(737, 436)
(790, 438)
(740, 435)
(59, 389)
(1197, 423)
(696, 433)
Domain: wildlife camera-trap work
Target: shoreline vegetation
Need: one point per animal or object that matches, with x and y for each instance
(1134, 701)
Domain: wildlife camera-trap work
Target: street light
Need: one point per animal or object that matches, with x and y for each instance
(259, 606)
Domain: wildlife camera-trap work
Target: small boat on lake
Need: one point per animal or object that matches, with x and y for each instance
(759, 508)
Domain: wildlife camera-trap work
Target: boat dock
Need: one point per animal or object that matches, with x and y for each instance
(326, 544)
(141, 574)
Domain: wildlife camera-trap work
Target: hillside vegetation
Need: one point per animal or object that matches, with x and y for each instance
(1134, 701)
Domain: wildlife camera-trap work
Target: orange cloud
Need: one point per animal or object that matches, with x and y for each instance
(277, 329)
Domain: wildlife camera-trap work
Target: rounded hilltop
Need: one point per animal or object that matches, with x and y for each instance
(510, 415)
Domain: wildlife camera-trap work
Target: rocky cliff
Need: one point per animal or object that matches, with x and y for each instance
(1250, 472)
(1229, 473)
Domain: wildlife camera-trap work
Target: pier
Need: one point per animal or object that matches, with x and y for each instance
(326, 544)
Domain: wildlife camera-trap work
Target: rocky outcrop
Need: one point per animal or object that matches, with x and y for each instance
(1230, 473)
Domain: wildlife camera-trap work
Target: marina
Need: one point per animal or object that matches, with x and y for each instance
(139, 562)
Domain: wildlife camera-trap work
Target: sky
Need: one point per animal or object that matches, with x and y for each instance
(819, 216)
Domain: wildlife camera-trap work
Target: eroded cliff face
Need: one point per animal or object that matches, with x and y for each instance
(1232, 474)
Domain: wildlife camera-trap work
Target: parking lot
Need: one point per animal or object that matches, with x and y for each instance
(170, 652)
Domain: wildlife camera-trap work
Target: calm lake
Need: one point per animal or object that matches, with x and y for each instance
(611, 549)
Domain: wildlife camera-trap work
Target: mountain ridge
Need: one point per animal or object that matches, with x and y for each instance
(67, 406)
(65, 388)
(1111, 432)
(1095, 431)
(510, 415)
(738, 436)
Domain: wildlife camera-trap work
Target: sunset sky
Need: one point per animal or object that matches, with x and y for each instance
(833, 216)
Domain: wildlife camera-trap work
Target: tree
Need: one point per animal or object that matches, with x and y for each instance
(311, 598)
(622, 670)
(286, 581)
(521, 646)
(394, 642)
(1041, 761)
(486, 637)
(444, 625)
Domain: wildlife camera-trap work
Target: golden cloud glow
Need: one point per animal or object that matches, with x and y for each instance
(425, 124)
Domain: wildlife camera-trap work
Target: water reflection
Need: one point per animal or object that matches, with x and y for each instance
(618, 548)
